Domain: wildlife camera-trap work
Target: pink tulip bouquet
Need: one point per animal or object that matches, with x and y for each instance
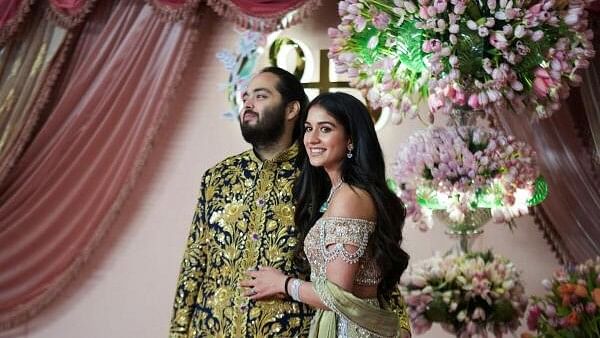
(469, 295)
(464, 168)
(485, 55)
(571, 308)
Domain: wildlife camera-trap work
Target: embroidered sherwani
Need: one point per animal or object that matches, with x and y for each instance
(244, 219)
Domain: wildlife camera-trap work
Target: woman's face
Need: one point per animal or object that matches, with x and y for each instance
(325, 139)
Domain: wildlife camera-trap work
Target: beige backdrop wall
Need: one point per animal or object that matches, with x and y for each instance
(127, 287)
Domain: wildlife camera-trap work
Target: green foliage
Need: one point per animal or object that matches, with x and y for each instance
(437, 310)
(470, 52)
(503, 311)
(361, 39)
(409, 41)
(540, 191)
(537, 53)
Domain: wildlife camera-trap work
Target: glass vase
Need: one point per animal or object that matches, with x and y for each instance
(464, 233)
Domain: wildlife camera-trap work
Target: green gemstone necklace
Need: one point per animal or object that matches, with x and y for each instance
(325, 204)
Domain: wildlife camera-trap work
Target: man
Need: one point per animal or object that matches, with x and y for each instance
(245, 219)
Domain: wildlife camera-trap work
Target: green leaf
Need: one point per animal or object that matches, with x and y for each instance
(437, 310)
(409, 40)
(469, 50)
(392, 185)
(427, 174)
(540, 191)
(503, 311)
(369, 56)
(537, 52)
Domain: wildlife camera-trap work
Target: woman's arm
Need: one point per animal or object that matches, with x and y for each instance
(268, 282)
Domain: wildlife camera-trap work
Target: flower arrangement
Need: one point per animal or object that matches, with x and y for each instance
(484, 55)
(572, 306)
(467, 294)
(240, 66)
(459, 169)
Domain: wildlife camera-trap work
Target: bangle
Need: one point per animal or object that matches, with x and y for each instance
(285, 285)
(295, 289)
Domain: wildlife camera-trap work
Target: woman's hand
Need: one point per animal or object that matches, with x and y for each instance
(266, 282)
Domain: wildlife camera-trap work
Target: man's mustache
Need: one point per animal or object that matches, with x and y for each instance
(244, 113)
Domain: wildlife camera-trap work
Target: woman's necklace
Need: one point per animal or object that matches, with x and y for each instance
(325, 204)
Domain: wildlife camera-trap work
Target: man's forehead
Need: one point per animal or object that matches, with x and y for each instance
(265, 80)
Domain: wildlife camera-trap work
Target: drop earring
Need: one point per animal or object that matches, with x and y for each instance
(349, 153)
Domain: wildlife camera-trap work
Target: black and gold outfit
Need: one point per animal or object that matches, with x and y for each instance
(244, 219)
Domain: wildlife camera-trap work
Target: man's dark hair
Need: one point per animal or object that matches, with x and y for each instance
(291, 90)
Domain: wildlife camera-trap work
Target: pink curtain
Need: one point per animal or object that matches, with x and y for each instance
(12, 13)
(29, 67)
(68, 186)
(69, 13)
(174, 10)
(264, 15)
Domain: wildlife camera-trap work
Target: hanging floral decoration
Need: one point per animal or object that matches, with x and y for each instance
(459, 169)
(241, 66)
(468, 295)
(484, 55)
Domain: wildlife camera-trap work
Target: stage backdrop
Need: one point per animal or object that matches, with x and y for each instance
(127, 288)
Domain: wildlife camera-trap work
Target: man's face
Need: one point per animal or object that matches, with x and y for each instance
(262, 118)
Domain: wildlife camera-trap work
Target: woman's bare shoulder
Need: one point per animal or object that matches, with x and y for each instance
(352, 202)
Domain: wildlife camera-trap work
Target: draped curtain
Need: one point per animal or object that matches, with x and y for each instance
(12, 14)
(15, 13)
(27, 73)
(264, 15)
(70, 182)
(31, 56)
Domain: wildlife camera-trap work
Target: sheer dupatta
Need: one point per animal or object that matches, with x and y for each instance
(358, 317)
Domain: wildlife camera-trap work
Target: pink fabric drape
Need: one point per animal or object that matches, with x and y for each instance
(264, 15)
(28, 70)
(174, 10)
(69, 7)
(68, 186)
(267, 8)
(67, 13)
(12, 13)
(8, 10)
(70, 13)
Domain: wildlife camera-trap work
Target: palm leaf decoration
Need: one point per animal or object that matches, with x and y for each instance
(540, 193)
(409, 41)
(537, 54)
(469, 50)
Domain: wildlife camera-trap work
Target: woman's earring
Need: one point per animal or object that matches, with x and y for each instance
(349, 153)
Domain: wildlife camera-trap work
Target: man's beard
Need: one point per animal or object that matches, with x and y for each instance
(268, 129)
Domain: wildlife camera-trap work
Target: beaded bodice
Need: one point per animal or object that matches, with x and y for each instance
(326, 239)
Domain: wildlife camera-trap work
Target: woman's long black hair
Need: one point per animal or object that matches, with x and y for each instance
(365, 170)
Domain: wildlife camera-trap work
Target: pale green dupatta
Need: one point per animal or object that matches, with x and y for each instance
(362, 314)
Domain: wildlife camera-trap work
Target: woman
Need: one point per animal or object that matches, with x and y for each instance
(350, 223)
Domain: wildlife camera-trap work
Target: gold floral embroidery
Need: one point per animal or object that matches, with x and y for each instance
(244, 218)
